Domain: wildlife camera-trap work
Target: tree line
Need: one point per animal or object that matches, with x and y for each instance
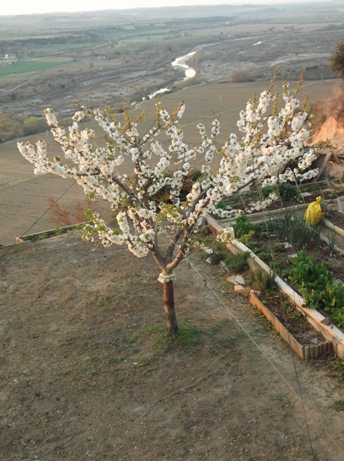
(12, 127)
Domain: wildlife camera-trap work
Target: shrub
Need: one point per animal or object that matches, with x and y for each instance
(237, 262)
(241, 76)
(284, 190)
(260, 280)
(243, 227)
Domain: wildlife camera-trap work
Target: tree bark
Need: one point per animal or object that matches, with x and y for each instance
(171, 319)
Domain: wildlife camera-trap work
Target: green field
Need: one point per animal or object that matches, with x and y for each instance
(27, 66)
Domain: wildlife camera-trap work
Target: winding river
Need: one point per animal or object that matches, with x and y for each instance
(178, 63)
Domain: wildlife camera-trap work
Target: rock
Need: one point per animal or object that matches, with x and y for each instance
(244, 291)
(236, 279)
(206, 249)
(326, 321)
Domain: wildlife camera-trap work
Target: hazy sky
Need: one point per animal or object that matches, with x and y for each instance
(46, 6)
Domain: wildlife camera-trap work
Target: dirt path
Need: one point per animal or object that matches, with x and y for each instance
(87, 374)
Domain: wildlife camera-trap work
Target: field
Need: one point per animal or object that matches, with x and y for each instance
(24, 67)
(125, 57)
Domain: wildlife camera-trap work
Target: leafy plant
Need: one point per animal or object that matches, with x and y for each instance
(337, 315)
(338, 365)
(221, 206)
(315, 283)
(278, 246)
(215, 258)
(294, 229)
(284, 190)
(214, 243)
(243, 226)
(308, 274)
(338, 405)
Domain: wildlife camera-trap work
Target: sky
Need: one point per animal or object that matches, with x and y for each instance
(45, 6)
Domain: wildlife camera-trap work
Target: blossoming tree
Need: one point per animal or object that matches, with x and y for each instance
(160, 160)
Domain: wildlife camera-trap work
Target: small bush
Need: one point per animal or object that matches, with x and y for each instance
(243, 227)
(260, 280)
(221, 206)
(215, 258)
(241, 76)
(237, 262)
(284, 190)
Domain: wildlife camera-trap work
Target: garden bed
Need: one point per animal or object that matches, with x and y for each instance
(289, 195)
(291, 325)
(322, 323)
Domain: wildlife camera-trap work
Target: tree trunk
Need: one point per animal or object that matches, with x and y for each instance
(170, 313)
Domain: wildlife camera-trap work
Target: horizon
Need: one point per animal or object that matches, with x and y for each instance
(23, 7)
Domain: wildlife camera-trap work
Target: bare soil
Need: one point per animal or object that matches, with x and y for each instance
(87, 374)
(291, 318)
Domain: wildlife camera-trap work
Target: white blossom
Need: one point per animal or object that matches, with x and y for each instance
(149, 199)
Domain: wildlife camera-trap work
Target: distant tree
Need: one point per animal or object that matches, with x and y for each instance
(337, 59)
(9, 128)
(17, 126)
(241, 76)
(159, 161)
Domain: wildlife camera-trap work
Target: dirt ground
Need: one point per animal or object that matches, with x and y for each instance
(87, 373)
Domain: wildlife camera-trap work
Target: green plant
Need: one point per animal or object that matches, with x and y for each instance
(237, 262)
(337, 314)
(278, 247)
(338, 366)
(246, 237)
(310, 188)
(263, 320)
(338, 405)
(315, 283)
(214, 243)
(59, 231)
(215, 258)
(131, 339)
(143, 362)
(43, 236)
(289, 191)
(234, 200)
(163, 342)
(243, 226)
(308, 274)
(293, 228)
(260, 280)
(332, 242)
(284, 190)
(221, 206)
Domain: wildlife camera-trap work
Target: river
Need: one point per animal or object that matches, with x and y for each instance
(178, 63)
